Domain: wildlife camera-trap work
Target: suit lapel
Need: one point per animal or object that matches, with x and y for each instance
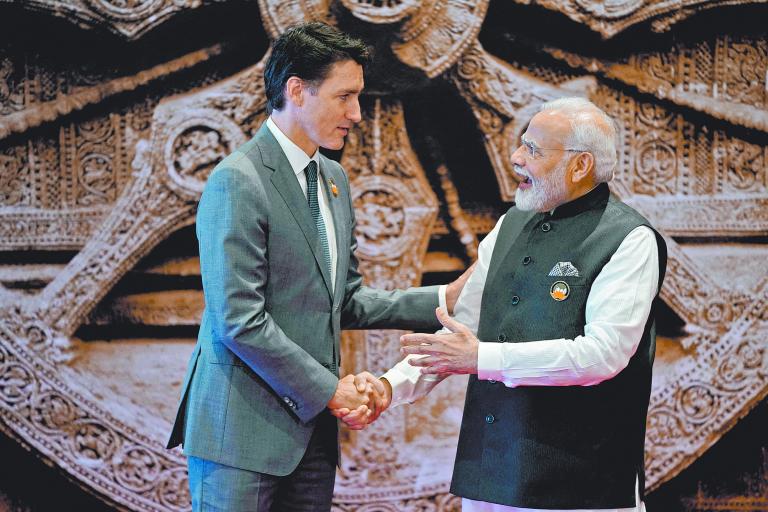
(286, 184)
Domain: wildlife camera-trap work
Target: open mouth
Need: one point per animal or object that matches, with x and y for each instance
(524, 181)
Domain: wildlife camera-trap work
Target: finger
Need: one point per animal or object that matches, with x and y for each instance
(417, 338)
(437, 369)
(450, 323)
(356, 414)
(360, 382)
(422, 350)
(378, 386)
(340, 413)
(424, 361)
(357, 417)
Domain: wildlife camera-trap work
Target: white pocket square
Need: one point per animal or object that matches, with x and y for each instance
(564, 268)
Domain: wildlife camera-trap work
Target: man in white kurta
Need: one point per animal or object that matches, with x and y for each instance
(562, 167)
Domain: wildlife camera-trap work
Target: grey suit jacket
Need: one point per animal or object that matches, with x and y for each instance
(267, 356)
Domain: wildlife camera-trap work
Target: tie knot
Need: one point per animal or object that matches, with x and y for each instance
(311, 171)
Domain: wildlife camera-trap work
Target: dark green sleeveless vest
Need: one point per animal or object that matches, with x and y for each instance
(555, 447)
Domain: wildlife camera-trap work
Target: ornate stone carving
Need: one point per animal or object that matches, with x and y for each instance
(610, 17)
(127, 18)
(429, 35)
(723, 82)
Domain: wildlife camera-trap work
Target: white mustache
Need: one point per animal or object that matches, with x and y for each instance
(519, 170)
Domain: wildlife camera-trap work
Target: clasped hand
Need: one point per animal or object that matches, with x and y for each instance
(360, 399)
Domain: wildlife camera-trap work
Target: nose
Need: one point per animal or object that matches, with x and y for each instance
(353, 113)
(517, 157)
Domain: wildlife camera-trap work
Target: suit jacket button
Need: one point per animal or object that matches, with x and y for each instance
(502, 337)
(491, 381)
(515, 300)
(490, 418)
(526, 260)
(546, 227)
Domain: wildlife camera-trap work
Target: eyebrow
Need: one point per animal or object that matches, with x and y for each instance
(351, 91)
(526, 140)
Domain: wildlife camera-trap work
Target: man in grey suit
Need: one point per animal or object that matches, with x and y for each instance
(275, 228)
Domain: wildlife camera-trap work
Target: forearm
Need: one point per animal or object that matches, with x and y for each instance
(370, 308)
(583, 361)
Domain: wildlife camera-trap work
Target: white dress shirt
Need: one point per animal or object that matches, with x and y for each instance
(299, 160)
(617, 309)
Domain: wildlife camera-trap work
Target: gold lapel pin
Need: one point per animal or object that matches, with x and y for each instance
(334, 188)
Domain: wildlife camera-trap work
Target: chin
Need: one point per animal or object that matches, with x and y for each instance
(335, 145)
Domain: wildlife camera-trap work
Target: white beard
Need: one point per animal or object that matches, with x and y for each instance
(544, 194)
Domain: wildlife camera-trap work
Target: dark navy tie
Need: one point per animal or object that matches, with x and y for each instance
(314, 208)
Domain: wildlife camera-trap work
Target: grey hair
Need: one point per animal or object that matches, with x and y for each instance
(591, 130)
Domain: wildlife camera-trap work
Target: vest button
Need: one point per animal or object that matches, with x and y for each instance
(515, 300)
(526, 260)
(546, 227)
(502, 337)
(489, 418)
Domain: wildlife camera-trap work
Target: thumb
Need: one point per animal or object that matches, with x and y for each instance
(449, 323)
(360, 383)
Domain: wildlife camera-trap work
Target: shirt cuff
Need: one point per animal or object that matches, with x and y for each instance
(441, 292)
(407, 382)
(402, 387)
(490, 361)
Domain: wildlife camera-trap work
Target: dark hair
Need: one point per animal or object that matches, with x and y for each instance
(308, 51)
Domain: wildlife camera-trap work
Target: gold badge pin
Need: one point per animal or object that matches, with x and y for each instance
(560, 291)
(334, 188)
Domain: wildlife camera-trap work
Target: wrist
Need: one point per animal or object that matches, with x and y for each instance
(387, 390)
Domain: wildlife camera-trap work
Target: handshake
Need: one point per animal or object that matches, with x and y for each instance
(360, 399)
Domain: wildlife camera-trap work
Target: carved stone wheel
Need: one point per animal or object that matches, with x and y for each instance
(111, 186)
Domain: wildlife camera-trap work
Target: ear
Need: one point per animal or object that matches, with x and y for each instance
(581, 167)
(294, 90)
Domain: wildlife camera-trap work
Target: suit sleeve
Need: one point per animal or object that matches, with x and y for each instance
(370, 308)
(232, 230)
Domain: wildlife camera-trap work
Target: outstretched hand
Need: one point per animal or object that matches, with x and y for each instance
(450, 353)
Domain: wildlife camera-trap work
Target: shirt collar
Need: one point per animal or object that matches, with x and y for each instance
(591, 199)
(295, 155)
